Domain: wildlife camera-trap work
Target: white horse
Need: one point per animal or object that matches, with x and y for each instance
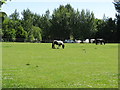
(59, 43)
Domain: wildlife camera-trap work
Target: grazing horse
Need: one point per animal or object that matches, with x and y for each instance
(100, 41)
(59, 43)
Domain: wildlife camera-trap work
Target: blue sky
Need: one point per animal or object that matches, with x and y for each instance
(99, 7)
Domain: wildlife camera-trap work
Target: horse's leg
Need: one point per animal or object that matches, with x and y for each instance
(101, 42)
(53, 46)
(96, 42)
(58, 46)
(104, 42)
(63, 46)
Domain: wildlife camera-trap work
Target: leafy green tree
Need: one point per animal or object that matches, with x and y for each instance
(100, 24)
(15, 16)
(3, 15)
(45, 25)
(1, 34)
(106, 30)
(65, 23)
(91, 26)
(13, 26)
(21, 34)
(2, 2)
(62, 22)
(76, 23)
(9, 33)
(36, 20)
(37, 33)
(118, 28)
(110, 30)
(117, 5)
(27, 23)
(85, 25)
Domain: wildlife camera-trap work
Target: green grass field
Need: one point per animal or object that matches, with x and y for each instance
(76, 66)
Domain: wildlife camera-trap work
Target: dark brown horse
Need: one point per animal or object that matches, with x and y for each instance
(100, 41)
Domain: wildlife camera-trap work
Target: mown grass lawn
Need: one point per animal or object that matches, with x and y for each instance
(36, 65)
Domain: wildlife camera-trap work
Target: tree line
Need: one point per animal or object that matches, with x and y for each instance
(64, 23)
